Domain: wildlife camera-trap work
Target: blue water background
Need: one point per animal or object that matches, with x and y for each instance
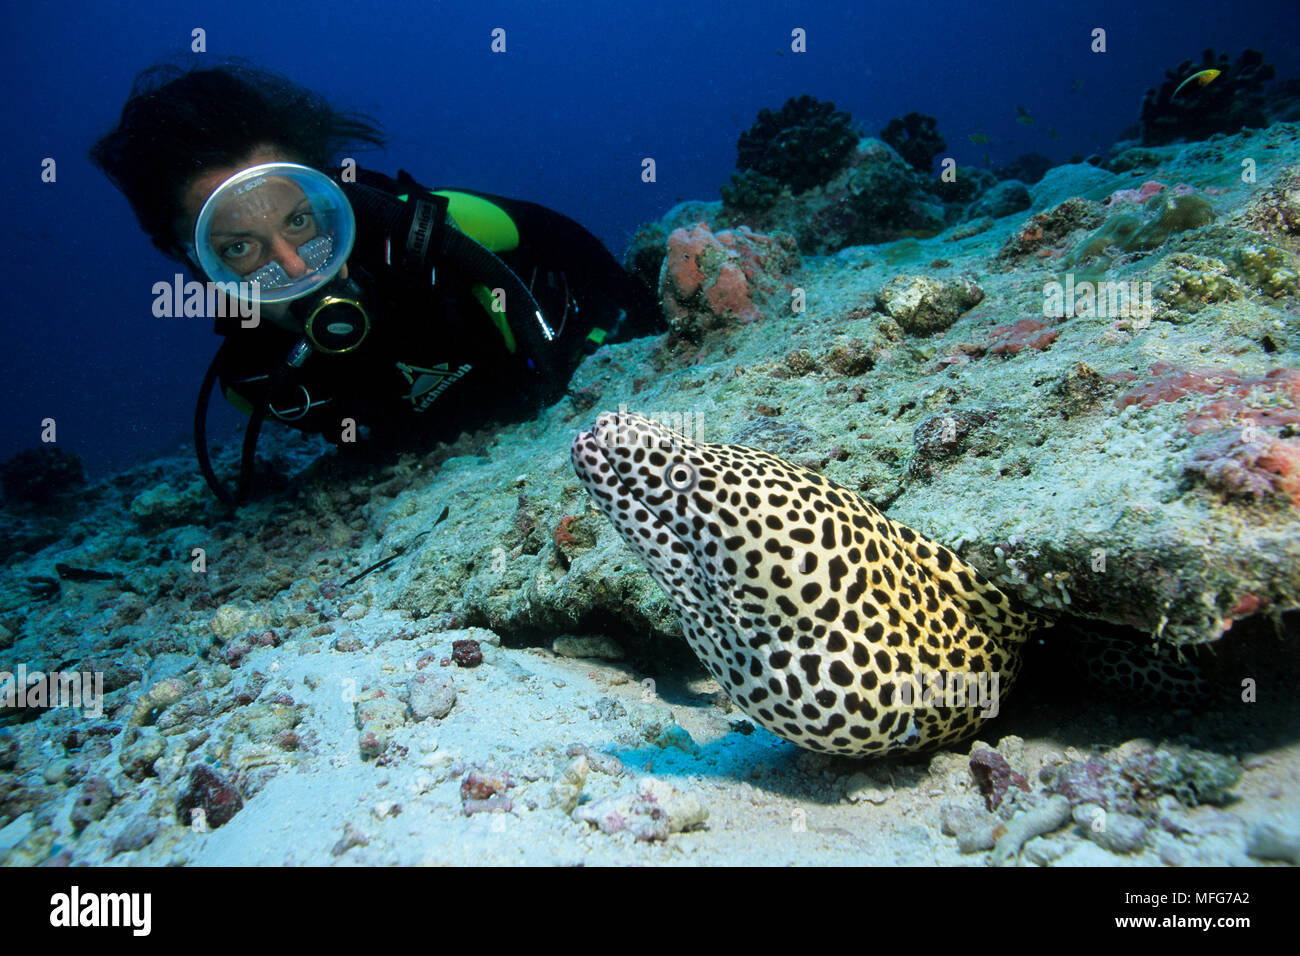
(565, 117)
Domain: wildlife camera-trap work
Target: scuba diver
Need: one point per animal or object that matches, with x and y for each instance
(378, 304)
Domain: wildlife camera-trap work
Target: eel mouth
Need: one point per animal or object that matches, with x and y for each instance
(595, 443)
(589, 450)
(586, 445)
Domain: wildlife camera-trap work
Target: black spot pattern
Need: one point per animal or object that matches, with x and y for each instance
(770, 565)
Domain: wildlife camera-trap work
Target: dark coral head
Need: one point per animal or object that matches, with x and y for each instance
(802, 145)
(915, 137)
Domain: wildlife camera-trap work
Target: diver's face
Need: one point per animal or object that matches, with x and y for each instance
(261, 226)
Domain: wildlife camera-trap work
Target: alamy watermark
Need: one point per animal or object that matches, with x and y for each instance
(207, 300)
(75, 908)
(687, 425)
(38, 689)
(950, 689)
(1115, 300)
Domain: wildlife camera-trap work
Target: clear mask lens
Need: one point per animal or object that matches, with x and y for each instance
(278, 230)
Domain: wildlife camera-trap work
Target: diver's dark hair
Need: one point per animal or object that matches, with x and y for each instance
(178, 123)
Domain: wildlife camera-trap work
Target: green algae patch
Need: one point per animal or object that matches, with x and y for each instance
(1176, 214)
(1131, 232)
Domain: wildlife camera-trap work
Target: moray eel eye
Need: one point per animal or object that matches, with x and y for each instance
(680, 476)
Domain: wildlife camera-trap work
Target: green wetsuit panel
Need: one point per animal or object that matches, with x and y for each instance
(483, 221)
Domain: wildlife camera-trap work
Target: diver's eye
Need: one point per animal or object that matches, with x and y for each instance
(680, 476)
(300, 221)
(236, 250)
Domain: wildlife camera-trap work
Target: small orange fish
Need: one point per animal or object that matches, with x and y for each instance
(1202, 78)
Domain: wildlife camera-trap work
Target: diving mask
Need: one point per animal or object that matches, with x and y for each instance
(288, 228)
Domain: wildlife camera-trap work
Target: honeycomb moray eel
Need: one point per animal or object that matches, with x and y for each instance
(829, 624)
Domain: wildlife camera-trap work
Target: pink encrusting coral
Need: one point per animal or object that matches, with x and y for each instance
(687, 248)
(1270, 400)
(1172, 382)
(1025, 334)
(1141, 195)
(1260, 470)
(710, 280)
(730, 294)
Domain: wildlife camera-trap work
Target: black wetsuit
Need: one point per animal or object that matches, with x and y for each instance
(435, 362)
